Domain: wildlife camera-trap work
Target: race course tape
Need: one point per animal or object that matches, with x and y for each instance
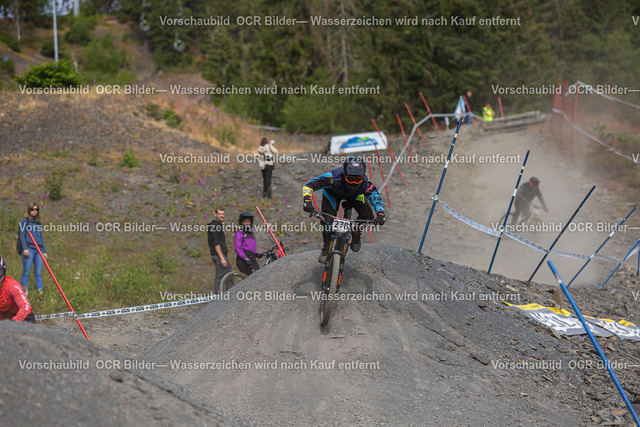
(127, 310)
(593, 138)
(517, 238)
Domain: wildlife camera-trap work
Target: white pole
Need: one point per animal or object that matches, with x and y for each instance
(55, 32)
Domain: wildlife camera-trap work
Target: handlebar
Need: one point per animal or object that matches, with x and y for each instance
(319, 214)
(272, 250)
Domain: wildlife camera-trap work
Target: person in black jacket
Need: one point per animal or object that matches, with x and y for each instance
(526, 193)
(218, 247)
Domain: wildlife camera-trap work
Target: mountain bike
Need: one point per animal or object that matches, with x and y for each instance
(232, 278)
(533, 221)
(342, 229)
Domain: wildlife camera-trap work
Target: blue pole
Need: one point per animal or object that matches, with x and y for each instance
(620, 263)
(595, 343)
(506, 217)
(563, 229)
(435, 199)
(600, 247)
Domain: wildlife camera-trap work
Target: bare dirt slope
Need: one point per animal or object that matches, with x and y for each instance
(40, 386)
(385, 360)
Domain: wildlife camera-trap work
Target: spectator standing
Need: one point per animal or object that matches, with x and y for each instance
(30, 255)
(218, 246)
(488, 113)
(245, 245)
(266, 160)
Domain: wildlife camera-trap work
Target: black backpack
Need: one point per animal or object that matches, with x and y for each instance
(19, 247)
(19, 244)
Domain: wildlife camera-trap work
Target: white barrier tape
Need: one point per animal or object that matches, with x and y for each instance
(55, 316)
(607, 258)
(493, 232)
(632, 253)
(525, 241)
(569, 254)
(127, 310)
(468, 221)
(585, 133)
(609, 97)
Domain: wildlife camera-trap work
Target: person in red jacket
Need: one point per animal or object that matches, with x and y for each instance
(14, 304)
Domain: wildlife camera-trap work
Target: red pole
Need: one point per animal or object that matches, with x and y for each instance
(381, 171)
(433, 119)
(58, 285)
(615, 172)
(564, 95)
(468, 108)
(280, 250)
(612, 128)
(573, 114)
(405, 140)
(553, 105)
(368, 229)
(414, 123)
(500, 105)
(391, 154)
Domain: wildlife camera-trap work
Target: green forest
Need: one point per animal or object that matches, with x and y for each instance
(399, 47)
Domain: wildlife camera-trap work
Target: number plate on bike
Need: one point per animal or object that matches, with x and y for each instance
(341, 225)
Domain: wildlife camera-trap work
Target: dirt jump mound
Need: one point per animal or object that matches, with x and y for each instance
(411, 341)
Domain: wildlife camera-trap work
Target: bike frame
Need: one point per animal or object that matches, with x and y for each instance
(342, 229)
(340, 242)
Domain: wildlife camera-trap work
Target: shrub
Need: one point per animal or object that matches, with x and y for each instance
(79, 30)
(53, 184)
(101, 59)
(129, 160)
(11, 41)
(172, 119)
(153, 111)
(7, 67)
(48, 74)
(227, 134)
(48, 50)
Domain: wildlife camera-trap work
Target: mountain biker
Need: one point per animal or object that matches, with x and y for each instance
(526, 193)
(349, 183)
(245, 245)
(14, 304)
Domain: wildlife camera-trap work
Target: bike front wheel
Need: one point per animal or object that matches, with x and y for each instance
(330, 288)
(229, 280)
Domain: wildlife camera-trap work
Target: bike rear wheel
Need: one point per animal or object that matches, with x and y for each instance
(229, 280)
(330, 288)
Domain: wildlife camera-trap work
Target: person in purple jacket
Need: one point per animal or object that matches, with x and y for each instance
(245, 245)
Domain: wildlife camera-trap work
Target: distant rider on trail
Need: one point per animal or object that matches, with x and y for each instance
(526, 193)
(349, 183)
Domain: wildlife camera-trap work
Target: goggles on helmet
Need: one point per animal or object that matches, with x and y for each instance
(354, 179)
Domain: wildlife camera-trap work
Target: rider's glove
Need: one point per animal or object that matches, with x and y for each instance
(247, 260)
(379, 219)
(308, 205)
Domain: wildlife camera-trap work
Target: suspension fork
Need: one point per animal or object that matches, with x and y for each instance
(340, 245)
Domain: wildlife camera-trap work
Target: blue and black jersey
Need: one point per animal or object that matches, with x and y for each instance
(334, 189)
